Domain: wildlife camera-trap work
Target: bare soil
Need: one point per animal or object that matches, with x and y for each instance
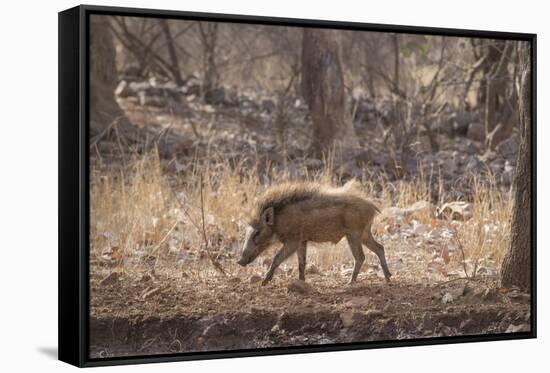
(162, 300)
(155, 315)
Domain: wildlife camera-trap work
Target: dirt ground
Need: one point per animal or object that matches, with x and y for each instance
(155, 314)
(167, 298)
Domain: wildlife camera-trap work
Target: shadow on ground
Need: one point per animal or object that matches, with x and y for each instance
(50, 352)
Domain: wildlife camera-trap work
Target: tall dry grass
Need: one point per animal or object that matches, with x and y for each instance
(144, 217)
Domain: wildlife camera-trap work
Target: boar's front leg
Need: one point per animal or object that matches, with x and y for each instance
(287, 250)
(302, 252)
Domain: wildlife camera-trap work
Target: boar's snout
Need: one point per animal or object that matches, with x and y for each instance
(250, 249)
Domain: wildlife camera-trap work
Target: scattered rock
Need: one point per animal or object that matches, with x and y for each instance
(416, 210)
(301, 287)
(111, 279)
(447, 298)
(419, 208)
(457, 210)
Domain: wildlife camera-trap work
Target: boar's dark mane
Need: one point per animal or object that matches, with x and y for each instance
(283, 195)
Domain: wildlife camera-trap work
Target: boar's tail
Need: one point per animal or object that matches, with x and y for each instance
(354, 187)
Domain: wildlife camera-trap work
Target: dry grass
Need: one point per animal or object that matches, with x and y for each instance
(144, 217)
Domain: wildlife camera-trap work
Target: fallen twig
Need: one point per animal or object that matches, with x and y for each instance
(164, 238)
(215, 263)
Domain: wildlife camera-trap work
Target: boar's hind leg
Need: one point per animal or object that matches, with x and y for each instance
(302, 252)
(378, 249)
(287, 250)
(354, 242)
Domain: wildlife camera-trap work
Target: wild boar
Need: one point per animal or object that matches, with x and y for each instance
(295, 213)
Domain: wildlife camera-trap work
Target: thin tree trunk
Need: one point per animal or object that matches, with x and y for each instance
(395, 39)
(174, 68)
(516, 265)
(209, 39)
(323, 91)
(495, 87)
(104, 110)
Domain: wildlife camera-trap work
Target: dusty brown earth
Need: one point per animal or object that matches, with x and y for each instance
(165, 304)
(155, 314)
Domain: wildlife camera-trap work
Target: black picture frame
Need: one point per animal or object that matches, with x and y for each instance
(74, 202)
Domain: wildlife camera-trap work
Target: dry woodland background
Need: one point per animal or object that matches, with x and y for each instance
(192, 121)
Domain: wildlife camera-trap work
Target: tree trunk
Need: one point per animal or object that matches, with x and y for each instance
(516, 265)
(395, 40)
(104, 110)
(493, 91)
(323, 91)
(209, 38)
(174, 62)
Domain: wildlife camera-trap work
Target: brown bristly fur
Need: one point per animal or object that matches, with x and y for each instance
(297, 213)
(283, 195)
(287, 193)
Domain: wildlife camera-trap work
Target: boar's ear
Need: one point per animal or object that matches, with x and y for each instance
(268, 216)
